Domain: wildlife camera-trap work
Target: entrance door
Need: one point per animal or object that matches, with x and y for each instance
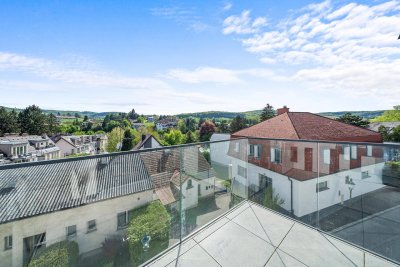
(32, 245)
(308, 159)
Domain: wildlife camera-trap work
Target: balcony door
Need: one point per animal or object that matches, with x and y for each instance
(308, 159)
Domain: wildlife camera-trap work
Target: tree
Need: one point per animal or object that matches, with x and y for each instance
(127, 142)
(267, 113)
(77, 115)
(237, 124)
(33, 120)
(353, 120)
(114, 139)
(8, 121)
(223, 127)
(174, 137)
(206, 130)
(86, 118)
(385, 133)
(52, 124)
(132, 114)
(395, 136)
(190, 138)
(389, 115)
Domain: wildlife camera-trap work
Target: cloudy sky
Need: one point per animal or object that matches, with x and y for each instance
(168, 57)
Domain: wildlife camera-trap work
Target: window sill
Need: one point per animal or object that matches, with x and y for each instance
(92, 230)
(323, 189)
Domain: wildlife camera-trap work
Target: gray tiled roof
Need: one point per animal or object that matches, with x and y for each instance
(41, 188)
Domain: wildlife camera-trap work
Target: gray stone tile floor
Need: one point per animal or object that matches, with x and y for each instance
(250, 235)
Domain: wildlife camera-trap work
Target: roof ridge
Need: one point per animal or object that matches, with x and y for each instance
(294, 127)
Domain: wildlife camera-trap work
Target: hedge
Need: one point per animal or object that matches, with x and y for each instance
(61, 254)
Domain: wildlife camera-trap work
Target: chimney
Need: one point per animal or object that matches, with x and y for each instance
(280, 111)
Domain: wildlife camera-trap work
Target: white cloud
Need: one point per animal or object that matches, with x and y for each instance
(204, 74)
(71, 73)
(222, 75)
(186, 16)
(351, 47)
(243, 24)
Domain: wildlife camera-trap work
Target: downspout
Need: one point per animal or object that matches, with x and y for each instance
(291, 196)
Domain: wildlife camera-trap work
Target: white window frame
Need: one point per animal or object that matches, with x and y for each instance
(274, 155)
(346, 152)
(243, 169)
(251, 150)
(327, 155)
(237, 146)
(353, 152)
(8, 242)
(369, 151)
(257, 151)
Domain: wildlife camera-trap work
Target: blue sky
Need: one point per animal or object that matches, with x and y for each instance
(168, 57)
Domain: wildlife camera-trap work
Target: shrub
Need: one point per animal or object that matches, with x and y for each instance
(154, 220)
(61, 254)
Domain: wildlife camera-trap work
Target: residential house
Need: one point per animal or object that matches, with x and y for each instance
(85, 200)
(389, 125)
(147, 141)
(303, 172)
(150, 118)
(169, 169)
(167, 123)
(137, 125)
(27, 148)
(83, 144)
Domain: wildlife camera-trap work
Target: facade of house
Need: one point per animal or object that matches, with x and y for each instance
(81, 200)
(170, 168)
(147, 141)
(307, 176)
(88, 144)
(165, 124)
(28, 148)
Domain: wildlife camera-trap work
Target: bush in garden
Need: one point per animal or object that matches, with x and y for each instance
(61, 254)
(153, 220)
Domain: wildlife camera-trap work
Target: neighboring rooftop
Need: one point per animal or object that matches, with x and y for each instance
(250, 235)
(41, 188)
(374, 126)
(308, 126)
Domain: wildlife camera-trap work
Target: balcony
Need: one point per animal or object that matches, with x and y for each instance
(243, 202)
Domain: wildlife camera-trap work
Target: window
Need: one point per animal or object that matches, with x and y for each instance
(237, 146)
(122, 219)
(91, 226)
(353, 153)
(293, 154)
(346, 152)
(322, 186)
(276, 155)
(327, 156)
(369, 151)
(242, 171)
(257, 151)
(251, 150)
(71, 231)
(189, 184)
(8, 242)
